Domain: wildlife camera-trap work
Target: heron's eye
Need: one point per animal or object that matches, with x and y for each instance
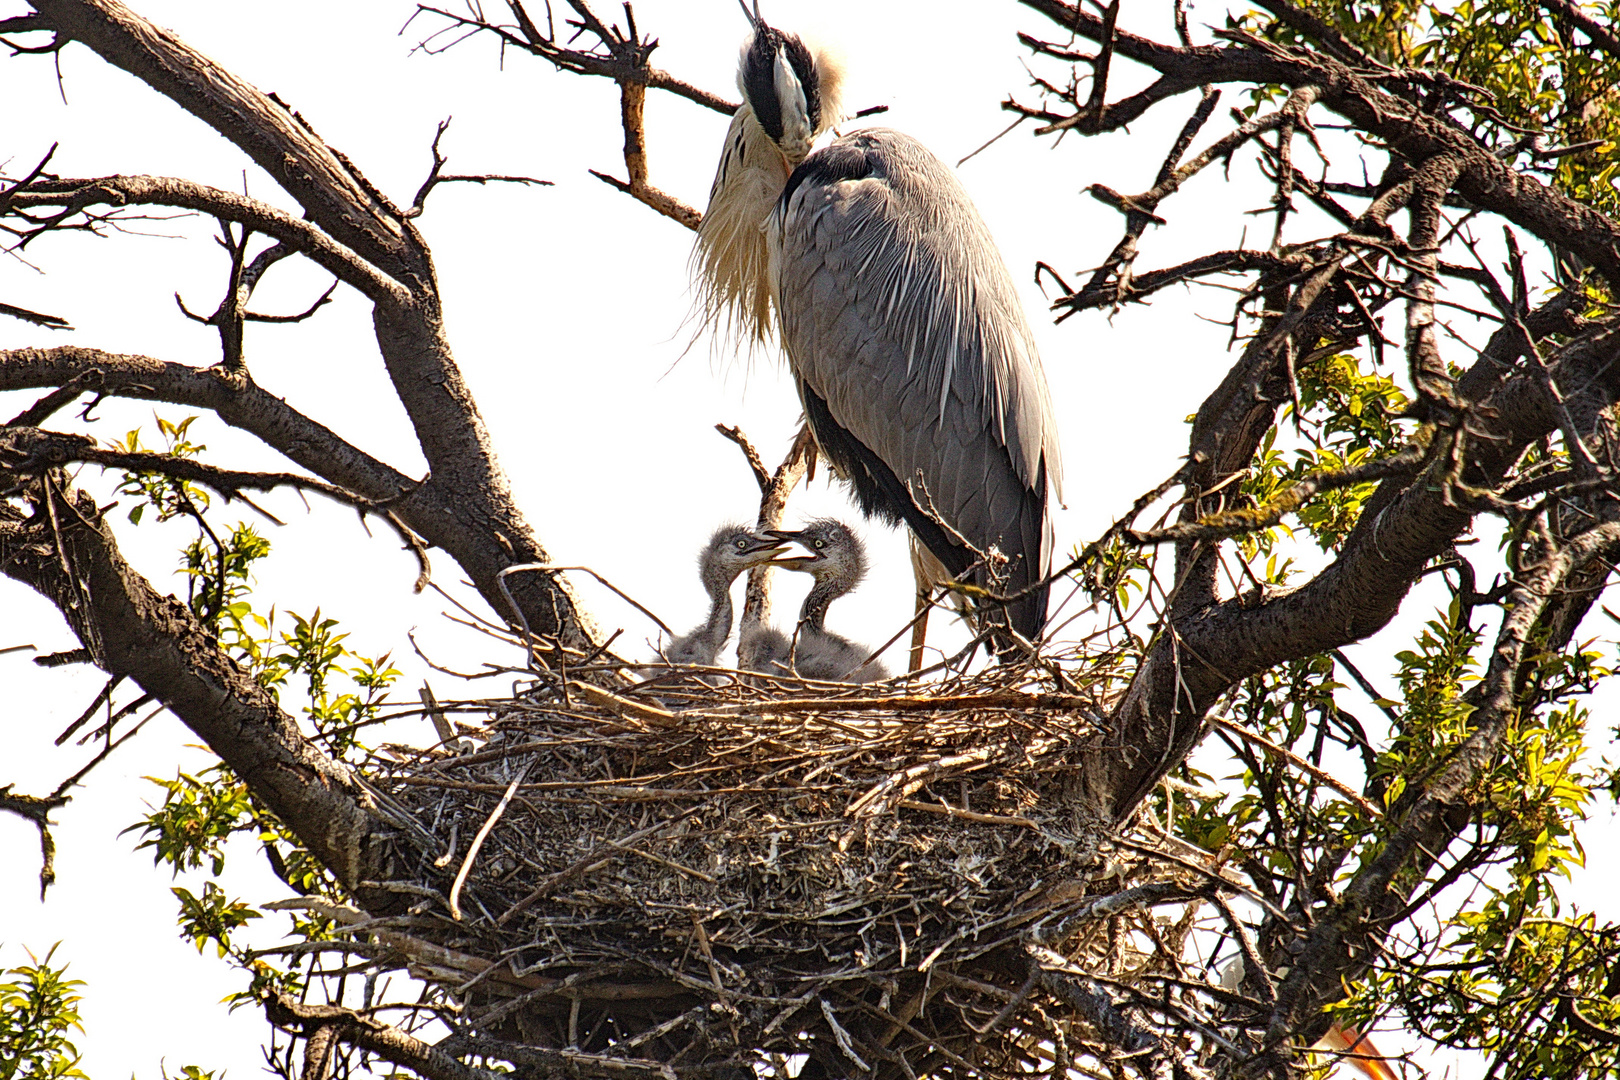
(821, 543)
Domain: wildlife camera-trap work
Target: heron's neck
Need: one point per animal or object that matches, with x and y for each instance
(814, 612)
(732, 258)
(718, 626)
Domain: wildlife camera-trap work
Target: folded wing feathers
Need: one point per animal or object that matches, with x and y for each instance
(909, 254)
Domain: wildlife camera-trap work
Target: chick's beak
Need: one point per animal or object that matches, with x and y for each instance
(765, 545)
(793, 562)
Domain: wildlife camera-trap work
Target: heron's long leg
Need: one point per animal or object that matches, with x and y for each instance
(919, 626)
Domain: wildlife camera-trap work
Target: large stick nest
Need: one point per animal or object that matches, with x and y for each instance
(825, 884)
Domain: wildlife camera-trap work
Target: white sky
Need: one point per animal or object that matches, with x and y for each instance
(565, 306)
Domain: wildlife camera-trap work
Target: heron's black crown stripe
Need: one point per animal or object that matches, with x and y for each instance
(759, 78)
(829, 165)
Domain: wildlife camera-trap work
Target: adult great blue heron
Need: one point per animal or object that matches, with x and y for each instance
(917, 370)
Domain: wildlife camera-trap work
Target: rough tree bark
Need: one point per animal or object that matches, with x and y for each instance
(1475, 429)
(463, 507)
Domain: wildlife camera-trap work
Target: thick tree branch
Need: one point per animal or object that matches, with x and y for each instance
(28, 450)
(1415, 134)
(1427, 368)
(466, 492)
(1429, 821)
(1361, 589)
(65, 552)
(433, 511)
(1601, 36)
(369, 1033)
(233, 397)
(337, 199)
(1203, 652)
(298, 234)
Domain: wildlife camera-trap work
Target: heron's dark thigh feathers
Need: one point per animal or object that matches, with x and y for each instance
(878, 491)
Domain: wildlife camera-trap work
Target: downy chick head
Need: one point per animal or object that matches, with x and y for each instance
(832, 552)
(730, 551)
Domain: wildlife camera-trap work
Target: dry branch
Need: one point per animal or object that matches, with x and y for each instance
(157, 643)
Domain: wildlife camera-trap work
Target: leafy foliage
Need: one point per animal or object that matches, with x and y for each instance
(1346, 415)
(197, 816)
(339, 692)
(38, 1011)
(1525, 78)
(212, 917)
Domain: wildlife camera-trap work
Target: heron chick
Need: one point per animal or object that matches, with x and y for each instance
(730, 551)
(836, 559)
(907, 341)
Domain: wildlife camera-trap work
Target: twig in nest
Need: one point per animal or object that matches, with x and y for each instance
(482, 835)
(585, 862)
(967, 815)
(500, 580)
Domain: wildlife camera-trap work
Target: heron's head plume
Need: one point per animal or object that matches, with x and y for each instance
(791, 87)
(790, 96)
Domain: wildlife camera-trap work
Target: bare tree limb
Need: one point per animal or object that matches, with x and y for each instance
(298, 234)
(157, 643)
(368, 1033)
(466, 488)
(38, 318)
(1484, 179)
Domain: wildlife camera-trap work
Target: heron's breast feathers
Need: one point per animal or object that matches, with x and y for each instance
(731, 262)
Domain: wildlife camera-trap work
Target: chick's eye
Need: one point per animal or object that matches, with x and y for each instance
(821, 543)
(741, 543)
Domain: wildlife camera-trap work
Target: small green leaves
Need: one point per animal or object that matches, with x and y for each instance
(197, 816)
(211, 917)
(168, 496)
(38, 1008)
(338, 691)
(1345, 418)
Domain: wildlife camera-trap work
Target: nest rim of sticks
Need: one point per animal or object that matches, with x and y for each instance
(859, 878)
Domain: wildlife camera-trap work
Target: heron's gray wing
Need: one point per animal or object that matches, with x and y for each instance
(899, 316)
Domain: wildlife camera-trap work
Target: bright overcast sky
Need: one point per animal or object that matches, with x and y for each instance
(565, 306)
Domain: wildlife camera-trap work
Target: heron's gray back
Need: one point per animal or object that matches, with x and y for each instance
(898, 311)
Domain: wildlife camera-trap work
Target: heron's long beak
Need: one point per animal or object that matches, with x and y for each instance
(767, 546)
(794, 562)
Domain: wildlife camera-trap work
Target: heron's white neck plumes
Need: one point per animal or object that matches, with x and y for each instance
(791, 96)
(731, 262)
